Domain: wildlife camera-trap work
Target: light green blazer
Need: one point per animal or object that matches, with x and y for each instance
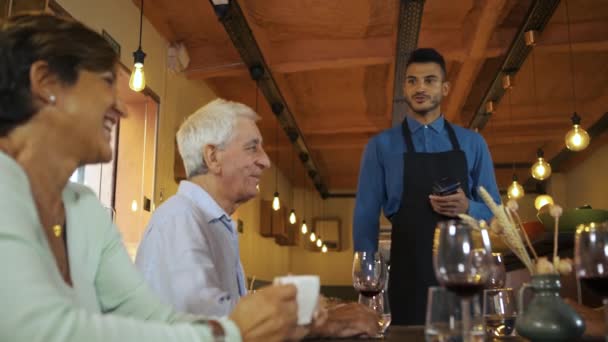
(108, 301)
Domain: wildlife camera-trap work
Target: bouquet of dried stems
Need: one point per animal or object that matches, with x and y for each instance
(508, 227)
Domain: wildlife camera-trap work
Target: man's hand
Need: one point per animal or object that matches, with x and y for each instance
(319, 318)
(270, 314)
(450, 205)
(345, 320)
(594, 319)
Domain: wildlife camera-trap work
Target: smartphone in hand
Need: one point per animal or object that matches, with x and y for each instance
(445, 186)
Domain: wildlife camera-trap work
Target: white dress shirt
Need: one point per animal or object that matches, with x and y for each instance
(189, 254)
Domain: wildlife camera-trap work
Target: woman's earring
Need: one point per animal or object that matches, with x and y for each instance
(52, 99)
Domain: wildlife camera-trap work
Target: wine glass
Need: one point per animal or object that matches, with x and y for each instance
(499, 312)
(444, 316)
(369, 279)
(462, 263)
(498, 273)
(591, 259)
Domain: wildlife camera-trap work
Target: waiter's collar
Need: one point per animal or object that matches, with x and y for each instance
(436, 125)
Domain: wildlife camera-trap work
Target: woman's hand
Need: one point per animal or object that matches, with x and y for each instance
(270, 314)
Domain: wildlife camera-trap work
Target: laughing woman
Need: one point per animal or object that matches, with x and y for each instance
(65, 275)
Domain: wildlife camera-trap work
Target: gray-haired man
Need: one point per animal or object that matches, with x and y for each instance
(189, 253)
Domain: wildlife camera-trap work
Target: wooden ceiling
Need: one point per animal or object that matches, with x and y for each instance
(334, 63)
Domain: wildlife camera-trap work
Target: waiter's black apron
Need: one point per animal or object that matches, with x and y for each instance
(411, 270)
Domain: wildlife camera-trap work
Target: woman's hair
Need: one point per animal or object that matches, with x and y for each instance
(212, 124)
(66, 45)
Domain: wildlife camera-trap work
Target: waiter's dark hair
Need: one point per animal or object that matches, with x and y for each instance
(427, 55)
(66, 45)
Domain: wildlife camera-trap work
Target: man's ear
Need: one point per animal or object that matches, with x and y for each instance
(210, 156)
(445, 88)
(44, 85)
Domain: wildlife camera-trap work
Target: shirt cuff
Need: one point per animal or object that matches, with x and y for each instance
(233, 334)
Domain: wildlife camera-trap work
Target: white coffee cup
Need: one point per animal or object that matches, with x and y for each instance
(308, 294)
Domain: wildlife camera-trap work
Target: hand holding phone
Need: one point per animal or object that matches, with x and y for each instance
(446, 186)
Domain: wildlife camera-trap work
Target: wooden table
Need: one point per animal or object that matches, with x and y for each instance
(394, 334)
(416, 334)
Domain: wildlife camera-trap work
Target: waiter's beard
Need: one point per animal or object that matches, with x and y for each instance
(435, 101)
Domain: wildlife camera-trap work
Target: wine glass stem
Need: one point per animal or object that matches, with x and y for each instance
(465, 306)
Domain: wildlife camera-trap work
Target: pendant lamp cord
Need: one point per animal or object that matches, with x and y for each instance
(510, 90)
(141, 20)
(293, 175)
(571, 59)
(276, 143)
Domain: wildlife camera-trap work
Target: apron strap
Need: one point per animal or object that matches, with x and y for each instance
(452, 134)
(409, 144)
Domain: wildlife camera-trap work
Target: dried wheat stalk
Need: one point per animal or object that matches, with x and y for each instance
(509, 233)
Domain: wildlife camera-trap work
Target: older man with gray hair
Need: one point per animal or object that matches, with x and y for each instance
(190, 253)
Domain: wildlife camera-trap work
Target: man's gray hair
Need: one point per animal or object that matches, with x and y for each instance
(212, 124)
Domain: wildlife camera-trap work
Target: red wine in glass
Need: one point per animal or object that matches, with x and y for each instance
(368, 293)
(591, 260)
(464, 289)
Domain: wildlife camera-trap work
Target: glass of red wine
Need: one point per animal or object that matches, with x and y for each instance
(369, 279)
(462, 258)
(591, 260)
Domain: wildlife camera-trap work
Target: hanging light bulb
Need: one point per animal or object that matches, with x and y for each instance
(257, 186)
(542, 200)
(541, 170)
(577, 139)
(137, 82)
(313, 237)
(304, 228)
(324, 249)
(276, 204)
(515, 191)
(319, 243)
(134, 205)
(292, 217)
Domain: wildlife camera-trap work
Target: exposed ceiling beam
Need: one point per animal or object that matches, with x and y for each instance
(408, 30)
(331, 141)
(589, 33)
(233, 19)
(237, 69)
(535, 136)
(587, 36)
(536, 19)
(483, 27)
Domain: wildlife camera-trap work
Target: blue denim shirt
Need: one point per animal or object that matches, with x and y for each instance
(381, 174)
